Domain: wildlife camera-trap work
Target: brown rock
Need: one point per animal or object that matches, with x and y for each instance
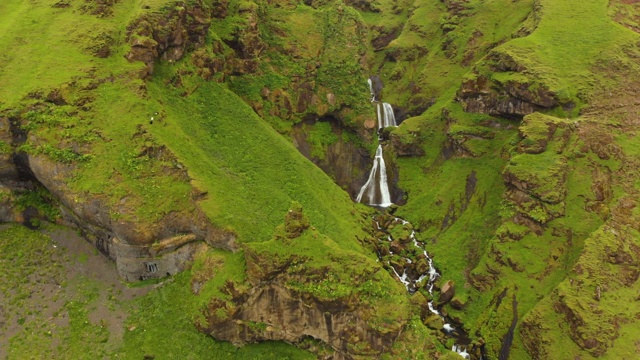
(182, 27)
(135, 246)
(446, 292)
(369, 124)
(480, 95)
(291, 317)
(457, 303)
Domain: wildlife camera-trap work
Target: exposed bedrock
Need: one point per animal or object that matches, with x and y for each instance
(169, 243)
(167, 35)
(274, 312)
(510, 99)
(140, 250)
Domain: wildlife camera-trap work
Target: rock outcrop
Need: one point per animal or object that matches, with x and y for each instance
(334, 152)
(292, 296)
(536, 177)
(274, 312)
(167, 36)
(509, 99)
(139, 249)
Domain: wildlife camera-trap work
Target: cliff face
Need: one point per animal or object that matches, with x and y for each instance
(140, 248)
(344, 300)
(294, 317)
(169, 35)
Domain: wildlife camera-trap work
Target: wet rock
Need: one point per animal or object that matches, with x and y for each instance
(434, 322)
(396, 247)
(421, 266)
(376, 85)
(305, 97)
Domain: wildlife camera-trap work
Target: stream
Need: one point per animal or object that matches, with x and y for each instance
(397, 247)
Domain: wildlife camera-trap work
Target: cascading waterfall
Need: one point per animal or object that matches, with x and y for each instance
(375, 191)
(373, 93)
(412, 278)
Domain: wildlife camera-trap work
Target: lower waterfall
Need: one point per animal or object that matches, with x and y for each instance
(375, 191)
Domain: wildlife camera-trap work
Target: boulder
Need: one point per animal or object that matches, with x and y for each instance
(446, 292)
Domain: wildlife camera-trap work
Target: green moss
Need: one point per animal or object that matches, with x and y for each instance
(169, 312)
(511, 231)
(41, 200)
(320, 137)
(544, 174)
(552, 56)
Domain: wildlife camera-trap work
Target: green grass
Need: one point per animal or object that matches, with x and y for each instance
(250, 172)
(168, 313)
(436, 48)
(62, 51)
(39, 294)
(52, 308)
(569, 40)
(215, 144)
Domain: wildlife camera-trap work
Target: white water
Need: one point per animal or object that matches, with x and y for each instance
(375, 191)
(462, 351)
(430, 275)
(388, 118)
(373, 94)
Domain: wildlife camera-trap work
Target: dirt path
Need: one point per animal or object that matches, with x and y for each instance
(59, 297)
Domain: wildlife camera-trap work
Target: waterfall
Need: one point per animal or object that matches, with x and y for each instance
(373, 93)
(462, 351)
(389, 118)
(413, 276)
(376, 190)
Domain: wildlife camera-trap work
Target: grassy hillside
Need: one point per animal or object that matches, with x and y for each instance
(249, 172)
(146, 150)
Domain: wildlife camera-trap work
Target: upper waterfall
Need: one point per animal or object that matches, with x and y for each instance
(387, 117)
(373, 93)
